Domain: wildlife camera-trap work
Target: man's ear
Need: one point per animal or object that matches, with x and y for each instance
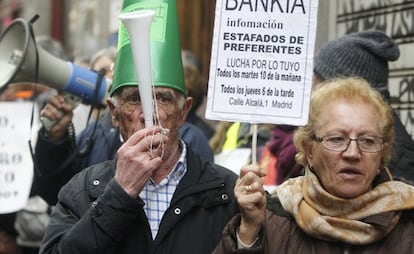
(111, 107)
(186, 108)
(110, 104)
(115, 121)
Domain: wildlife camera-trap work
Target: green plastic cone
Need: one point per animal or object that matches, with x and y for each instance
(166, 61)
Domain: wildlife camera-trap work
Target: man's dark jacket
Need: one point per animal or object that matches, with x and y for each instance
(95, 215)
(57, 162)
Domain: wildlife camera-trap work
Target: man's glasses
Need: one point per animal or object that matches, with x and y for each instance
(340, 143)
(130, 99)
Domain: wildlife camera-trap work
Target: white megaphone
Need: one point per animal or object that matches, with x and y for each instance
(19, 63)
(138, 24)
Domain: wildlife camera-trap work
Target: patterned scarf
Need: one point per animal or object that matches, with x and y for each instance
(327, 217)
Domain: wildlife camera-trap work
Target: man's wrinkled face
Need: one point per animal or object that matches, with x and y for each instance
(170, 110)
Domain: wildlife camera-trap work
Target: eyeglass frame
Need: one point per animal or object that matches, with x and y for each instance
(323, 139)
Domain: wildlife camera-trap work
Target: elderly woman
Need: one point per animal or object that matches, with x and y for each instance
(346, 202)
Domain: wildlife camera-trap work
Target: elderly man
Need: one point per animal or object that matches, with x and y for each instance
(157, 195)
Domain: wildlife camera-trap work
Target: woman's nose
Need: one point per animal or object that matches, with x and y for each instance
(352, 149)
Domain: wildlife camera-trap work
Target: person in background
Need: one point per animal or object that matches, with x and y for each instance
(281, 146)
(362, 54)
(102, 61)
(347, 200)
(197, 89)
(232, 141)
(197, 140)
(195, 130)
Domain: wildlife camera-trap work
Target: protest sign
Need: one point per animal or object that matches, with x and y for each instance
(16, 165)
(261, 61)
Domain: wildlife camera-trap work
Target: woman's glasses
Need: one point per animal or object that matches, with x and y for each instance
(340, 143)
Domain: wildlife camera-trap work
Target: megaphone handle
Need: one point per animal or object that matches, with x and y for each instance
(69, 98)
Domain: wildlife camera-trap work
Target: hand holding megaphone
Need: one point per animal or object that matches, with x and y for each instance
(55, 111)
(57, 114)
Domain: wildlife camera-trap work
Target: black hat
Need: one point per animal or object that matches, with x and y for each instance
(362, 54)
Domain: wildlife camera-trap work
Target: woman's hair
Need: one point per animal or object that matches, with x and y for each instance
(350, 90)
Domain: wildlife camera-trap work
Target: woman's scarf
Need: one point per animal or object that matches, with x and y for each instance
(327, 217)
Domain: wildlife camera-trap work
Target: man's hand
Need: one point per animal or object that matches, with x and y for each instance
(137, 162)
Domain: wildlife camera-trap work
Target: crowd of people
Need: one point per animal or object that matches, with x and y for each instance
(343, 182)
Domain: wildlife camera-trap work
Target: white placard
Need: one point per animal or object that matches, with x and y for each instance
(261, 61)
(16, 165)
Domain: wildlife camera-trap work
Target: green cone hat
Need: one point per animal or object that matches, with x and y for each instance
(166, 61)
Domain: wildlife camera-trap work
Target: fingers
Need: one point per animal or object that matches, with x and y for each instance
(252, 168)
(52, 109)
(250, 180)
(139, 157)
(252, 204)
(250, 195)
(249, 190)
(149, 139)
(146, 143)
(56, 116)
(56, 107)
(136, 163)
